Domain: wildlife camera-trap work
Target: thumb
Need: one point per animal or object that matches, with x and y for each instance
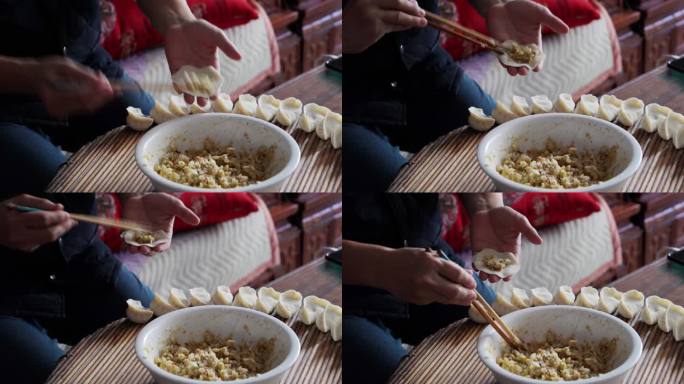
(552, 21)
(226, 46)
(527, 230)
(186, 214)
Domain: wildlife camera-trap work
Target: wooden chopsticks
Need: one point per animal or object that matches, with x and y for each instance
(481, 305)
(107, 222)
(448, 26)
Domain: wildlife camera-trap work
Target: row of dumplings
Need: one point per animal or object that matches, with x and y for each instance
(629, 113)
(309, 310)
(629, 305)
(286, 113)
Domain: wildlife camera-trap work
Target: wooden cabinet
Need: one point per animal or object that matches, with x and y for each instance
(320, 218)
(321, 30)
(662, 27)
(631, 45)
(662, 218)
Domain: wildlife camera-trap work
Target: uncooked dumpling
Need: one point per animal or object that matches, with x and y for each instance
(137, 120)
(336, 136)
(564, 295)
(564, 103)
(199, 296)
(330, 316)
(588, 297)
(541, 296)
(630, 112)
(137, 313)
(675, 125)
(478, 121)
(336, 330)
(668, 127)
(267, 298)
(312, 307)
(609, 106)
(654, 115)
(476, 316)
(196, 108)
(267, 106)
(160, 305)
(676, 320)
(630, 304)
(312, 115)
(502, 113)
(520, 55)
(519, 106)
(655, 307)
(246, 104)
(673, 315)
(178, 299)
(609, 298)
(289, 112)
(519, 298)
(177, 106)
(289, 303)
(588, 105)
(222, 295)
(160, 113)
(502, 305)
(201, 82)
(330, 123)
(541, 104)
(502, 264)
(246, 297)
(222, 103)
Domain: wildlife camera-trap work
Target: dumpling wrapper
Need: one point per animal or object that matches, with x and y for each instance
(329, 318)
(609, 106)
(654, 309)
(519, 106)
(267, 106)
(199, 296)
(331, 122)
(478, 121)
(676, 321)
(246, 297)
(178, 299)
(502, 113)
(160, 306)
(312, 307)
(588, 105)
(564, 103)
(480, 259)
(564, 296)
(128, 237)
(222, 295)
(476, 316)
(267, 299)
(630, 112)
(289, 111)
(671, 318)
(197, 109)
(161, 114)
(674, 124)
(201, 82)
(509, 61)
(246, 104)
(609, 298)
(177, 106)
(289, 303)
(588, 297)
(630, 304)
(336, 331)
(136, 120)
(312, 115)
(503, 305)
(222, 104)
(654, 115)
(541, 296)
(520, 299)
(541, 104)
(137, 313)
(336, 136)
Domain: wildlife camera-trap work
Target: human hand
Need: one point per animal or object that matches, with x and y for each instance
(521, 21)
(157, 212)
(500, 229)
(26, 231)
(194, 43)
(67, 87)
(366, 21)
(420, 277)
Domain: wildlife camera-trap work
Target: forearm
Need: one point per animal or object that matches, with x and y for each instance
(482, 6)
(166, 13)
(363, 263)
(475, 202)
(16, 75)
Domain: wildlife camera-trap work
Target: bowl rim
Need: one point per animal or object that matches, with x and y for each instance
(621, 369)
(290, 358)
(630, 169)
(155, 178)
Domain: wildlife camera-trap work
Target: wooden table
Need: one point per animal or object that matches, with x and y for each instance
(450, 355)
(450, 163)
(108, 164)
(108, 355)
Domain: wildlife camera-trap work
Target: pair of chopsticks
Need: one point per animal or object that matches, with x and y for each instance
(450, 27)
(122, 224)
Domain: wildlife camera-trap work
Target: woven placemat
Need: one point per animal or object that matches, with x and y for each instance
(108, 356)
(450, 164)
(450, 356)
(108, 165)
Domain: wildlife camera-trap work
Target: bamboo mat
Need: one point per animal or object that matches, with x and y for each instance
(450, 164)
(108, 165)
(108, 356)
(450, 356)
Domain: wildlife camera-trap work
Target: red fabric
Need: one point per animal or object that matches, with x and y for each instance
(455, 222)
(573, 12)
(109, 206)
(543, 209)
(126, 30)
(215, 208)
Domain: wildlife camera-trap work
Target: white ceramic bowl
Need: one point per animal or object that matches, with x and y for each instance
(585, 132)
(583, 324)
(243, 132)
(242, 324)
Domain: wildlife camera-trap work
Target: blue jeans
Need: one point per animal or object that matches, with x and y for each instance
(28, 347)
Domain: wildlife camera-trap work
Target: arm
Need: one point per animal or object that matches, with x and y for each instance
(165, 13)
(475, 202)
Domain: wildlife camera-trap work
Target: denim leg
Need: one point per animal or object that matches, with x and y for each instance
(27, 353)
(370, 160)
(370, 353)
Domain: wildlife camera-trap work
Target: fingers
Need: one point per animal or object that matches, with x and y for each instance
(36, 202)
(526, 229)
(488, 277)
(397, 20)
(181, 211)
(43, 219)
(226, 46)
(188, 98)
(406, 6)
(449, 293)
(552, 21)
(48, 235)
(455, 274)
(201, 101)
